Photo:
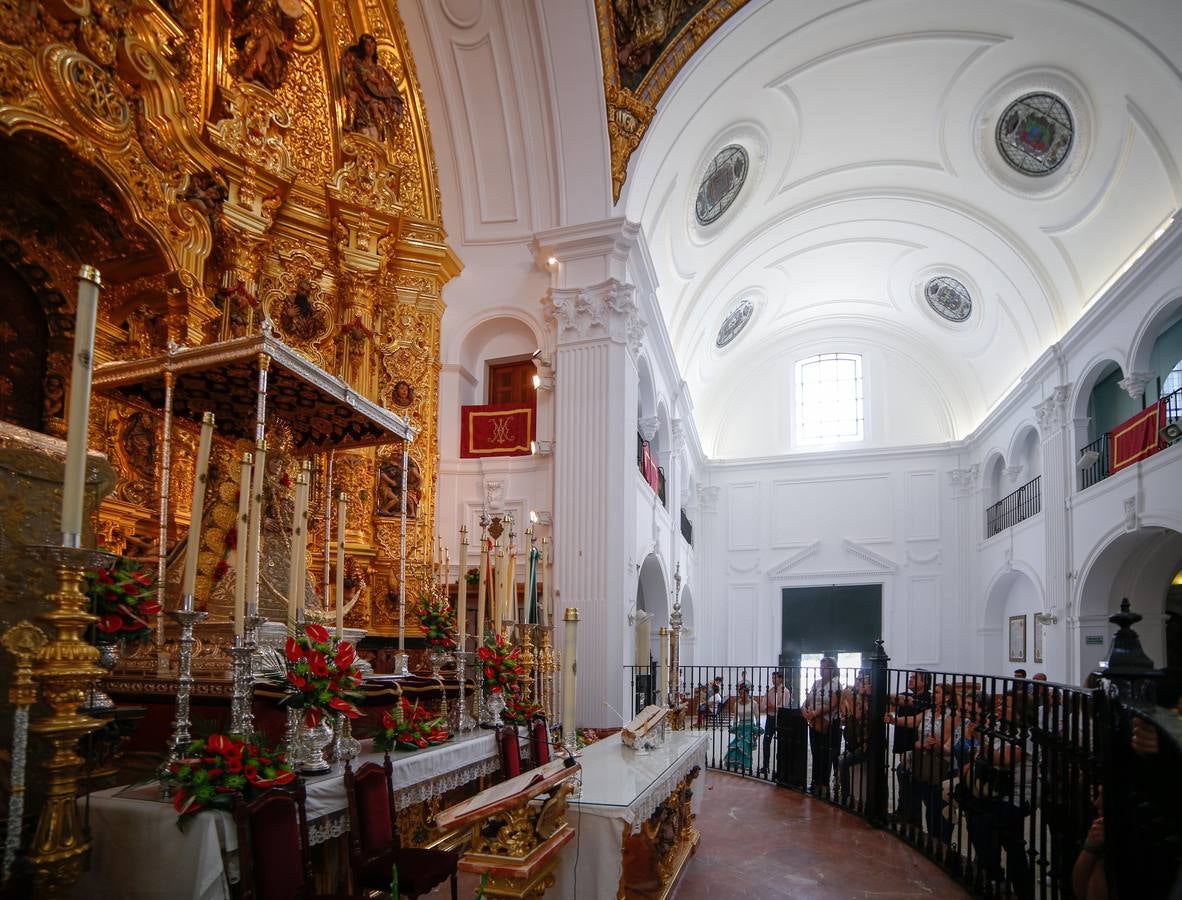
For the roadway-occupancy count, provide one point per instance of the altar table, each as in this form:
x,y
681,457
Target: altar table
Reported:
x,y
621,790
138,853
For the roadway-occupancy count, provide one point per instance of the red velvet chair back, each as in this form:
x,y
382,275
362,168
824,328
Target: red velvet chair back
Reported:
x,y
510,751
371,808
539,742
272,835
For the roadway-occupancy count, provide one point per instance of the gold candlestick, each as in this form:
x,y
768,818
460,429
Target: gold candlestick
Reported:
x,y
64,671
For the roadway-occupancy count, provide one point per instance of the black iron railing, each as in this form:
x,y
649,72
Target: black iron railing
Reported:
x,y
687,528
1097,469
1023,503
1173,403
998,780
661,485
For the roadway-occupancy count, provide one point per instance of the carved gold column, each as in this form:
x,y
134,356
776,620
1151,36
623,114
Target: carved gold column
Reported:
x,y
64,671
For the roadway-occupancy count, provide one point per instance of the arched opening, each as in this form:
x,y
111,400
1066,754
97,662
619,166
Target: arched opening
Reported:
x,y
689,638
1165,362
652,597
1012,603
993,478
1141,566
495,355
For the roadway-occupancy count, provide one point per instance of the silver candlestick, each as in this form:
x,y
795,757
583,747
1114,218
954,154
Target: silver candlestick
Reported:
x,y
346,748
292,748
465,722
241,715
186,617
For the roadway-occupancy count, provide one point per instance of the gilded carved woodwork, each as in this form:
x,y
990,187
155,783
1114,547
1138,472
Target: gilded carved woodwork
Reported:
x,y
644,44
212,163
655,854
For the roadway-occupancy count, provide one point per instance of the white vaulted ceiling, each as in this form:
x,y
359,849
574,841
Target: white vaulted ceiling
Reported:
x,y
869,125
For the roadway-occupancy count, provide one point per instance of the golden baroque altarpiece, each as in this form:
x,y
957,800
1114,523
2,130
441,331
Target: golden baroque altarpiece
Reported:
x,y
222,162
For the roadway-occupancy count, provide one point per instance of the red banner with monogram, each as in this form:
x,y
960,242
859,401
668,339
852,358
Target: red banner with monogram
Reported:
x,y
1137,437
496,429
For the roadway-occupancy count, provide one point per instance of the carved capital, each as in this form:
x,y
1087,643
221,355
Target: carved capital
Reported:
x,y
254,131
603,311
1012,473
648,427
964,481
708,499
1044,412
677,431
1136,382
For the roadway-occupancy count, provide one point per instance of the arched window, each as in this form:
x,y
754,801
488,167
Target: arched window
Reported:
x,y
829,398
1173,380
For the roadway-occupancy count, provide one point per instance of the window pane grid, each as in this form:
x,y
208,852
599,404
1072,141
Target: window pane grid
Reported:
x,y
829,398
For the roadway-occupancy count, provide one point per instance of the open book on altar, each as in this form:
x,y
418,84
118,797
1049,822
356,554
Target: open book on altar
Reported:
x,y
507,795
643,724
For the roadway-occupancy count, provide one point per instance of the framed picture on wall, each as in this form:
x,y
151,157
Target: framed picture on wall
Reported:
x,y
1038,638
1017,638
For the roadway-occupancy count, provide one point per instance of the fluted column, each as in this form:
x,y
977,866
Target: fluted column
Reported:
x,y
598,328
1057,477
970,518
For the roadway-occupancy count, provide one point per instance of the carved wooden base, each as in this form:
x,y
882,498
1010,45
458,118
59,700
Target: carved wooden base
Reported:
x,y
527,878
654,857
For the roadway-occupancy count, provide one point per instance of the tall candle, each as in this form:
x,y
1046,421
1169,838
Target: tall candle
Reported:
x,y
74,485
242,528
643,636
342,503
462,592
663,667
196,511
295,587
481,588
255,529
446,574
302,555
569,645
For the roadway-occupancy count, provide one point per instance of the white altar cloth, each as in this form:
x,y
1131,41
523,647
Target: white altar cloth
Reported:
x,y
138,853
621,787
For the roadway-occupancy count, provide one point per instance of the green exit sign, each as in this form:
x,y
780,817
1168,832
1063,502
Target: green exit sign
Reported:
x,y
1092,639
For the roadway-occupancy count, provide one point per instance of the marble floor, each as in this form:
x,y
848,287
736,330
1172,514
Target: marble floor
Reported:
x,y
761,842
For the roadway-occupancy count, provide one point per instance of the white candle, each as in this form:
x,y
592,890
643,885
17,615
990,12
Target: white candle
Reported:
x,y
569,644
462,592
342,503
254,530
302,556
481,588
196,511
447,574
298,552
242,528
643,637
74,483
663,666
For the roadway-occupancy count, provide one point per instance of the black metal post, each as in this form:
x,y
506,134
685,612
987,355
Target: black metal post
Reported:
x,y
877,765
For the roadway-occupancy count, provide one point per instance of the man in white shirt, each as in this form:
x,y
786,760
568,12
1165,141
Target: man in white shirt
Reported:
x,y
819,710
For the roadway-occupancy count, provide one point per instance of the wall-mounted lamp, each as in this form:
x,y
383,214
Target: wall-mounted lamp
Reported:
x,y
1087,459
1046,618
551,260
540,517
541,448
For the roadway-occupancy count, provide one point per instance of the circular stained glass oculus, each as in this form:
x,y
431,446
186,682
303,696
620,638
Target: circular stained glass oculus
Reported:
x,y
948,298
736,320
721,184
1035,133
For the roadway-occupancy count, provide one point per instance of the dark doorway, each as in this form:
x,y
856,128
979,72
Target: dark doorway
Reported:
x,y
830,621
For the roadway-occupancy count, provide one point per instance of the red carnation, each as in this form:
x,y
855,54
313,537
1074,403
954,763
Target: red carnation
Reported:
x,y
317,664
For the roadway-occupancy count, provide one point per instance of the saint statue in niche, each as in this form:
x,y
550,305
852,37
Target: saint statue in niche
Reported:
x,y
263,32
373,106
299,317
390,488
643,27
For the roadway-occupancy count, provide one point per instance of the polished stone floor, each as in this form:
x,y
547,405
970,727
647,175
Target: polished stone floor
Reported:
x,y
761,842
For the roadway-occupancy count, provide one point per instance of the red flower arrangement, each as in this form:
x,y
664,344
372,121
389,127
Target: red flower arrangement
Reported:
x,y
414,729
321,675
518,710
437,621
220,768
124,599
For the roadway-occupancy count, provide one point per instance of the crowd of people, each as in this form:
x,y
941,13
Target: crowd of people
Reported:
x,y
998,770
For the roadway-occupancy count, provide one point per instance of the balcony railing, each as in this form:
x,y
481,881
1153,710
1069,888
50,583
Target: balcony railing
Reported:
x,y
687,528
995,779
1097,470
1023,503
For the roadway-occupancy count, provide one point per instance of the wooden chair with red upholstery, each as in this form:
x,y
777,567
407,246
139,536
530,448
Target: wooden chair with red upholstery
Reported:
x,y
273,858
539,741
510,749
374,846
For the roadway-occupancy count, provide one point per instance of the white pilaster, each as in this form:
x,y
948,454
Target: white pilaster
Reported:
x,y
1058,474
